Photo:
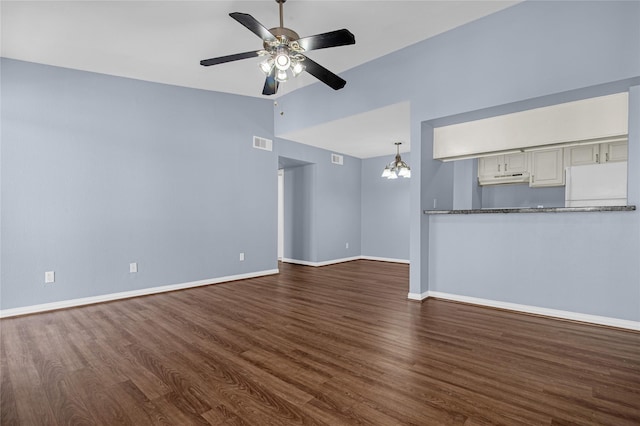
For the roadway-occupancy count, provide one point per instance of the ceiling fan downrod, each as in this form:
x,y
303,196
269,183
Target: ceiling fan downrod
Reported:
x,y
282,34
280,3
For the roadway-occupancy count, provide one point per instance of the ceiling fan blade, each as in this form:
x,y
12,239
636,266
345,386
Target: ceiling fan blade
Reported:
x,y
253,25
270,84
331,39
229,58
323,74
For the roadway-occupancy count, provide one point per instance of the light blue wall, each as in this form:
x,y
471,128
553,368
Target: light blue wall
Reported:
x,y
578,262
385,210
467,194
299,230
121,170
325,195
100,171
521,195
530,55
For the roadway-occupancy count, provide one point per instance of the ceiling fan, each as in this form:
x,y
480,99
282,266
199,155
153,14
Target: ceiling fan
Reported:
x,y
283,49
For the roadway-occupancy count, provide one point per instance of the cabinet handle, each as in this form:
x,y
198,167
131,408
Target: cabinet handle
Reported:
x,y
505,167
499,167
597,158
606,157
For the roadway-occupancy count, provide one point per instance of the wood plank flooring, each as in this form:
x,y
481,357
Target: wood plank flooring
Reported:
x,y
336,345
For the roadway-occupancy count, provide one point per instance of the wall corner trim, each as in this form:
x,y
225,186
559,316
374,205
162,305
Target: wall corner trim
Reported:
x,y
63,304
555,313
419,296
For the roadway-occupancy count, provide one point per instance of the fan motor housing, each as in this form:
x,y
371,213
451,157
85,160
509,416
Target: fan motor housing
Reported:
x,y
283,33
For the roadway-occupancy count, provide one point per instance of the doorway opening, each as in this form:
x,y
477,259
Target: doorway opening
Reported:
x,y
295,210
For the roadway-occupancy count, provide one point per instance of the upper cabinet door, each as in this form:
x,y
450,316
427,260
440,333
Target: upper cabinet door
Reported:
x,y
489,167
581,155
614,151
547,168
515,163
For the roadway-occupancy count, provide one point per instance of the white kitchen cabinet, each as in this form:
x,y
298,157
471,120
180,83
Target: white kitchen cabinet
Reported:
x,y
515,163
613,151
581,155
608,152
546,168
489,167
508,168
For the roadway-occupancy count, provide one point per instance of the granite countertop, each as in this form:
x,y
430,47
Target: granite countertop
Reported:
x,y
536,210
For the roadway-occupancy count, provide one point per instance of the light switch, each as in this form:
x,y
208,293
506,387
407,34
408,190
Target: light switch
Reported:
x,y
133,267
49,277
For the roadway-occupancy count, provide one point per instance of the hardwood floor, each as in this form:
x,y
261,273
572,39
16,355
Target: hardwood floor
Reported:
x,y
336,345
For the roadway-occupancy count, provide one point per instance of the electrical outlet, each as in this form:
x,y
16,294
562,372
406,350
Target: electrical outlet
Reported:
x,y
49,277
133,267
346,245
241,257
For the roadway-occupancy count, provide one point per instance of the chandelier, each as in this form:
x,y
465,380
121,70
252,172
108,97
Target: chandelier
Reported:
x,y
397,167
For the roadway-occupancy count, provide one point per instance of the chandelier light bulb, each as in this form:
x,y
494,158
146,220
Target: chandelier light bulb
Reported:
x,y
283,62
281,76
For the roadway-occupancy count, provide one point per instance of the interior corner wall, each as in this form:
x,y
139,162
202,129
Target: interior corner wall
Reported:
x,y
299,228
100,171
327,196
385,211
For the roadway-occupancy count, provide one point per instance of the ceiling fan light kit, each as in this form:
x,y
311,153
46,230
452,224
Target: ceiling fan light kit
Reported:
x,y
284,49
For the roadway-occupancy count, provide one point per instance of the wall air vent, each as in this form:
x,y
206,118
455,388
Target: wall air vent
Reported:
x,y
262,143
337,159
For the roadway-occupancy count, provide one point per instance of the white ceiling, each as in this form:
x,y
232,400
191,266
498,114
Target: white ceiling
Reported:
x,y
164,41
370,134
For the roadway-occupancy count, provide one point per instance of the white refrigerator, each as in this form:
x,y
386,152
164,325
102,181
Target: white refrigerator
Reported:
x,y
596,185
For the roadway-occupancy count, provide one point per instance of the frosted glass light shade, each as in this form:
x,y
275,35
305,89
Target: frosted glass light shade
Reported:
x,y
297,68
266,66
281,75
282,61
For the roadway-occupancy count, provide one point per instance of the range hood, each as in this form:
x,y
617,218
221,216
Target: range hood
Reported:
x,y
518,177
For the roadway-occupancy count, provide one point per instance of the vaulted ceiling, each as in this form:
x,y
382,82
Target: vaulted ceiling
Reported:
x,y
163,42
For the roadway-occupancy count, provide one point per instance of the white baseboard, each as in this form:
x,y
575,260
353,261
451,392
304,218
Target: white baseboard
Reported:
x,y
556,313
324,263
346,259
5,313
385,259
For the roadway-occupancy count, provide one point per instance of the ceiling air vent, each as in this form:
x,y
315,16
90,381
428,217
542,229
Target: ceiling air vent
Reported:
x,y
262,143
337,159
